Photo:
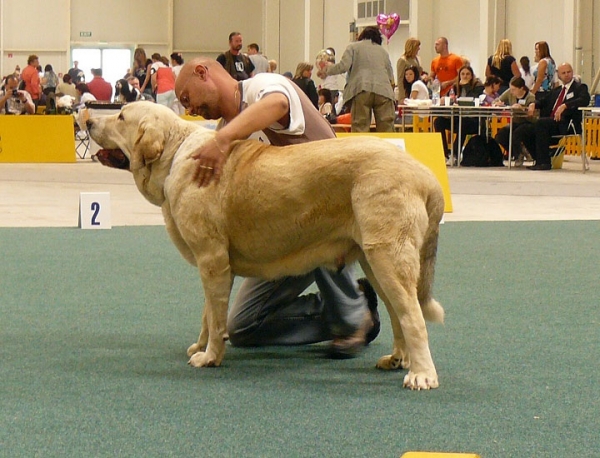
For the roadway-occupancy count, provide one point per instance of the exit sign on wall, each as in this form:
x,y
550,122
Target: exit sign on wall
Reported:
x,y
85,34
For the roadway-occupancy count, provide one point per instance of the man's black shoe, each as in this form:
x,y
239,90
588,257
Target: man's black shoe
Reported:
x,y
540,167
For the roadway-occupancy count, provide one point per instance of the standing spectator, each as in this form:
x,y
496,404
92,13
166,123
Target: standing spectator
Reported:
x,y
13,100
335,83
303,79
101,88
31,78
260,62
445,67
77,75
545,70
49,82
526,72
176,65
237,64
370,82
141,70
66,87
406,60
163,82
502,64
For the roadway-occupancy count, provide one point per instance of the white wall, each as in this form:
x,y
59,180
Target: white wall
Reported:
x,y
292,30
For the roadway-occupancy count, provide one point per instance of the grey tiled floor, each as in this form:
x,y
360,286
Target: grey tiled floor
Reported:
x,y
47,195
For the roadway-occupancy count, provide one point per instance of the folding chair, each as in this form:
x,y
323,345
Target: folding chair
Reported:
x,y
565,143
82,142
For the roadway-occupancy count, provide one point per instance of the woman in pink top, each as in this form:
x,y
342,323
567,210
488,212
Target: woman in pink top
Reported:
x,y
163,81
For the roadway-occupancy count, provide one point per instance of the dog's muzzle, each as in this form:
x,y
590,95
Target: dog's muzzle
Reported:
x,y
114,158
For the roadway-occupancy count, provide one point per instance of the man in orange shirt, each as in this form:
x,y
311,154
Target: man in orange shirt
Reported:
x,y
446,66
31,77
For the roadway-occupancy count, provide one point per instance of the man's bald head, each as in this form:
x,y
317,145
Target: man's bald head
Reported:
x,y
565,72
204,86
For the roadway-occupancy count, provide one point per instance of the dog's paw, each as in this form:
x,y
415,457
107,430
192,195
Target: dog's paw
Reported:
x,y
420,381
391,363
204,359
195,348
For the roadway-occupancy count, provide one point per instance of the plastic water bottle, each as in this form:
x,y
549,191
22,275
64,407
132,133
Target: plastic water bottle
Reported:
x,y
452,96
435,91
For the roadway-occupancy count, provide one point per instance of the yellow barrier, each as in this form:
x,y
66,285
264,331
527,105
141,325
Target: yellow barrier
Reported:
x,y
31,138
426,148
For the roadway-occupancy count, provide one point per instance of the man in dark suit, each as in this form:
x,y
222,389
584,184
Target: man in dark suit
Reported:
x,y
558,110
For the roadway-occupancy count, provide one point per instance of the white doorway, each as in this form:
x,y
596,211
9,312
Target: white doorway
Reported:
x,y
114,62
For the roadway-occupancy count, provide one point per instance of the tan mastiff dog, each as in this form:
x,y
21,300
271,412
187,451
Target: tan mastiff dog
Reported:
x,y
280,211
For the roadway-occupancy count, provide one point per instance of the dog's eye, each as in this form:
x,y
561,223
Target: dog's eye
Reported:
x,y
121,118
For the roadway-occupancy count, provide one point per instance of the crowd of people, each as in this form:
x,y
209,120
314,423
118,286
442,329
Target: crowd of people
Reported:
x,y
547,96
361,88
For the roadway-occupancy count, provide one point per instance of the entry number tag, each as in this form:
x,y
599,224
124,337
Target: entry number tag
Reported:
x,y
94,210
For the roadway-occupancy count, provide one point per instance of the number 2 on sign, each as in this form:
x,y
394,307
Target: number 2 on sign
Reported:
x,y
95,207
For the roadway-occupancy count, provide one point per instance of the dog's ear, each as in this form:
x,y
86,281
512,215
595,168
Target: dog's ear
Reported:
x,y
149,144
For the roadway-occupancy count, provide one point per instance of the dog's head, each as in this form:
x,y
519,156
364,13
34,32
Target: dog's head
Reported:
x,y
143,138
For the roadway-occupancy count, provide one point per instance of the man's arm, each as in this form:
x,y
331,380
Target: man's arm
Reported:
x,y
272,108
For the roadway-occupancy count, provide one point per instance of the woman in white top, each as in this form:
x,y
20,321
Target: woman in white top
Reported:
x,y
414,88
84,95
176,65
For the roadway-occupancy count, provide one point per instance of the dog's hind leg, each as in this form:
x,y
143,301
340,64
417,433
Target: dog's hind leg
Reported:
x,y
399,359
394,257
217,281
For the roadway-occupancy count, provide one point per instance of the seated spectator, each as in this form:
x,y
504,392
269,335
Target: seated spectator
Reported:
x,y
519,97
467,86
413,87
99,87
125,92
303,79
13,100
326,105
135,82
559,115
490,91
66,87
84,95
272,65
163,81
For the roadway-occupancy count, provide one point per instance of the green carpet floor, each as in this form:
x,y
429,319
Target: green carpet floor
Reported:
x,y
94,326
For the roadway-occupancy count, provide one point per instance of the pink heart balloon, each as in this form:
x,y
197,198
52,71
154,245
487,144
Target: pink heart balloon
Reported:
x,y
388,24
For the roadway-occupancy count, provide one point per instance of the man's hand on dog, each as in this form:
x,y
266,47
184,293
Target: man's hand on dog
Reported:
x,y
211,158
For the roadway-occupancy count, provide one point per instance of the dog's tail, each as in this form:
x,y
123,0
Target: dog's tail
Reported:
x,y
432,310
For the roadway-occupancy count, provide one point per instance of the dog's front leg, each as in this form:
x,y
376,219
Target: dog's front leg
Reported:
x,y
217,280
